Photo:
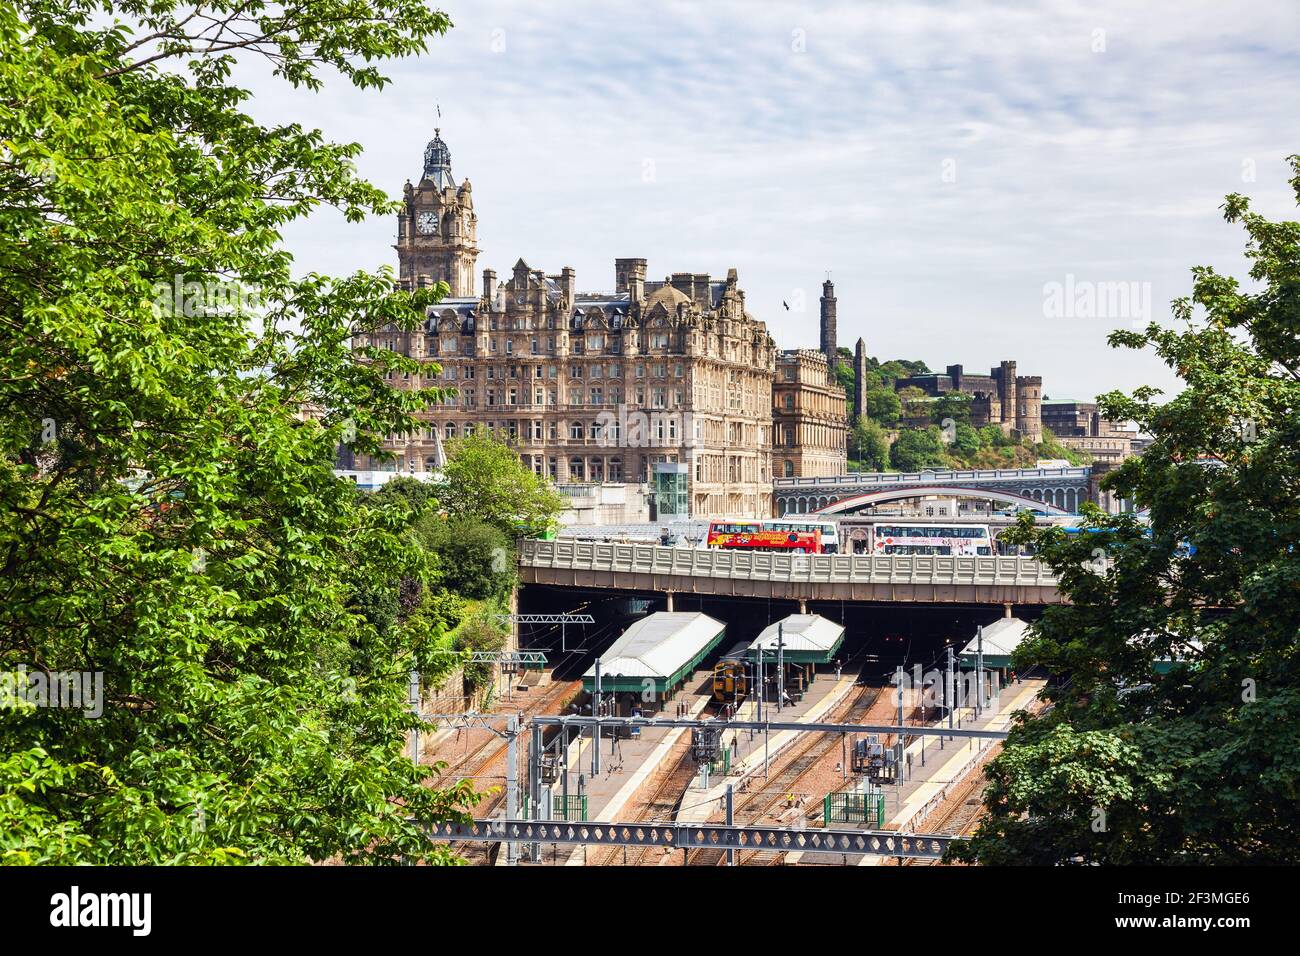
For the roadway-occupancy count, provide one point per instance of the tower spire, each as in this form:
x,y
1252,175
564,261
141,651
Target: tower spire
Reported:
x,y
437,161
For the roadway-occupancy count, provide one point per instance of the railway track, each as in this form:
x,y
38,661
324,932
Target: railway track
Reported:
x,y
962,809
478,764
658,809
803,758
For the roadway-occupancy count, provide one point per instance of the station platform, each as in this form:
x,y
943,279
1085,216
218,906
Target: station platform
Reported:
x,y
751,749
910,804
629,763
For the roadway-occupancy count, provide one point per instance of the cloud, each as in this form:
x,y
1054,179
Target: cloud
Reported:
x,y
943,161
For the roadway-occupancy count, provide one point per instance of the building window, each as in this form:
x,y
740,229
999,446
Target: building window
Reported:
x,y
789,468
575,431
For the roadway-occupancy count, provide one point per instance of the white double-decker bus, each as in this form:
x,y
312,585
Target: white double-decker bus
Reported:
x,y
898,537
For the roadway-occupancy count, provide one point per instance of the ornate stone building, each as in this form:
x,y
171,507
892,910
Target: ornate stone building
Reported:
x,y
809,416
590,386
437,232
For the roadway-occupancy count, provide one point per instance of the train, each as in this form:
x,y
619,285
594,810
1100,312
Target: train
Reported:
x,y
731,676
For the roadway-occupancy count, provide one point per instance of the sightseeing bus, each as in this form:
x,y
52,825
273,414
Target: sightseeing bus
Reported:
x,y
751,536
900,537
830,534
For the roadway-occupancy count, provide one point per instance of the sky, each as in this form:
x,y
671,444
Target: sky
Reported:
x,y
967,172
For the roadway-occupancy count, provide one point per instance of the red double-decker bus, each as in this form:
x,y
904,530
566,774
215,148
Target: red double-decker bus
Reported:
x,y
750,536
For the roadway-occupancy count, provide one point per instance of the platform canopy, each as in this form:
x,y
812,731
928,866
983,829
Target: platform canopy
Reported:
x,y
807,639
660,649
1000,638
1190,650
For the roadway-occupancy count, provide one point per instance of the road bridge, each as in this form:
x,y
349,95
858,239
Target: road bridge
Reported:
x,y
935,579
1052,490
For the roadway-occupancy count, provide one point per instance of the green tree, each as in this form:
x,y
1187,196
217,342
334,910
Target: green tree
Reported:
x,y
966,443
169,522
893,370
484,479
884,406
411,492
475,559
1139,761
954,405
479,632
919,448
871,443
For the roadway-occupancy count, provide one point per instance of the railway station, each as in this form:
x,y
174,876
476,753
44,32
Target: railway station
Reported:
x,y
649,663
798,643
991,649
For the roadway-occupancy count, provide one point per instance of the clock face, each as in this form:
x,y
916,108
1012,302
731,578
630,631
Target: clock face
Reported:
x,y
426,223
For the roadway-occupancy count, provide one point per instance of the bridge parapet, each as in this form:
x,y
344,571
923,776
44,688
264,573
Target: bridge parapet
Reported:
x,y
862,479
914,578
1061,488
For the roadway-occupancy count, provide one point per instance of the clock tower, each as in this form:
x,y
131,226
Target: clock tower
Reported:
x,y
437,231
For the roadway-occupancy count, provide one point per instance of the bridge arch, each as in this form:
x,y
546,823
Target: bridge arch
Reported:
x,y
1041,502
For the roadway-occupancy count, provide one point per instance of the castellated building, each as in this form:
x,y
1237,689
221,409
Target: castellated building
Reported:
x,y
1003,398
655,380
